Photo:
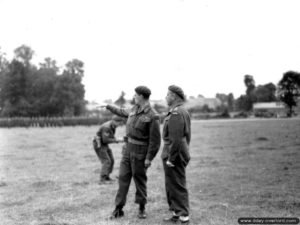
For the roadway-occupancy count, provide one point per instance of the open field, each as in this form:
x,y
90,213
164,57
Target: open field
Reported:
x,y
239,168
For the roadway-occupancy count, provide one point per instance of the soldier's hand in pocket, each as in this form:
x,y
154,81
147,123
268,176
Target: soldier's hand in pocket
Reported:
x,y
147,163
169,164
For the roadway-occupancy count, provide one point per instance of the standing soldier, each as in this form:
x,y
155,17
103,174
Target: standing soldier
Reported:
x,y
106,134
143,142
175,155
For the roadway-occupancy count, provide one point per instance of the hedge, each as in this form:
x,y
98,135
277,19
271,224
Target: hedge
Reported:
x,y
52,121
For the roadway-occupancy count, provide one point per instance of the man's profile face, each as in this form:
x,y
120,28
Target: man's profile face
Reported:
x,y
138,98
170,98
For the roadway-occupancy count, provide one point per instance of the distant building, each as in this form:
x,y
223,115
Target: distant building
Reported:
x,y
276,109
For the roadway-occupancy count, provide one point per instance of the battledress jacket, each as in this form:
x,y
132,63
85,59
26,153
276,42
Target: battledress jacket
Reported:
x,y
177,135
142,126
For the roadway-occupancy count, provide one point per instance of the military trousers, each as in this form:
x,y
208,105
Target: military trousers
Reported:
x,y
106,158
132,165
176,190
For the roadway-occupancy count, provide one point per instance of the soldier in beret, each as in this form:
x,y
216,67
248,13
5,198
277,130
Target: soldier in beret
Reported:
x,y
175,155
106,133
143,141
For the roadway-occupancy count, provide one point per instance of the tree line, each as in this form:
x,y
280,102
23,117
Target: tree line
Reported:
x,y
46,90
286,91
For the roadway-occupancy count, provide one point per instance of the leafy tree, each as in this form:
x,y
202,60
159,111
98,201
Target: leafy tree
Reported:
x,y
289,89
24,54
68,91
3,71
223,98
261,93
244,103
75,69
230,102
227,102
49,64
13,90
250,84
265,93
206,109
42,87
17,84
26,90
3,62
14,83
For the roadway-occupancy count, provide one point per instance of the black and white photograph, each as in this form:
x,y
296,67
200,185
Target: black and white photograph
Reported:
x,y
149,112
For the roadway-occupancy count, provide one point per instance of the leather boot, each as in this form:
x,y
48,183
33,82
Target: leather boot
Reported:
x,y
117,213
142,212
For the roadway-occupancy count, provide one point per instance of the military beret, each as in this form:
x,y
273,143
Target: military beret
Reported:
x,y
177,90
143,90
117,118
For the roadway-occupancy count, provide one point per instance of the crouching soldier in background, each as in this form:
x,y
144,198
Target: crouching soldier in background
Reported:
x,y
106,136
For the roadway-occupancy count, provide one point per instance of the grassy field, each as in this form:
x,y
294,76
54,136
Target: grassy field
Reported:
x,y
239,168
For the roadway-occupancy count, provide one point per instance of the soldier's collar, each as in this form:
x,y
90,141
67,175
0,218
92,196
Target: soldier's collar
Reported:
x,y
144,108
175,106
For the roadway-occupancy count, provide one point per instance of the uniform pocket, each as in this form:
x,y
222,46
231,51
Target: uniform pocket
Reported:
x,y
141,125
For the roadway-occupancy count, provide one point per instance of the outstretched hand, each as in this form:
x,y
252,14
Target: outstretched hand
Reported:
x,y
169,164
101,106
119,140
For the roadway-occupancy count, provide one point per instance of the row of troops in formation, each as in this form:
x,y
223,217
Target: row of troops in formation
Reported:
x,y
142,142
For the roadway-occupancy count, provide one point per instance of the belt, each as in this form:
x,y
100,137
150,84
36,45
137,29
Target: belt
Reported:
x,y
168,142
136,142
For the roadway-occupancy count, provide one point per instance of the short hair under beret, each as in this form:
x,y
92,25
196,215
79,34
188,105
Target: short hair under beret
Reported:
x,y
143,90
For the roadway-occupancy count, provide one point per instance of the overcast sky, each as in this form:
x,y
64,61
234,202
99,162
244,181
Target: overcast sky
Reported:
x,y
203,46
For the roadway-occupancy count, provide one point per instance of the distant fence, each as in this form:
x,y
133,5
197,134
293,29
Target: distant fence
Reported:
x,y
52,121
